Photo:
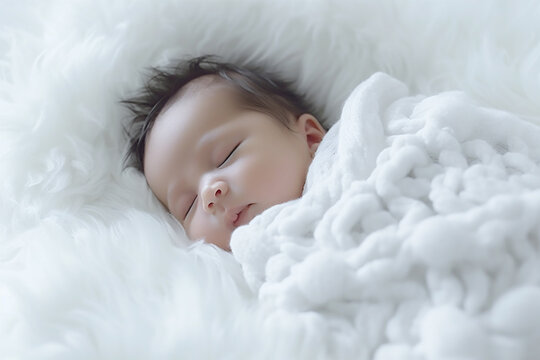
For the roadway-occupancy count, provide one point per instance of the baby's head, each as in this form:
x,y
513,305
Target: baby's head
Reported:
x,y
219,144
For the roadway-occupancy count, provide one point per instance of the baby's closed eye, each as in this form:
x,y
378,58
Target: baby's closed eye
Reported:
x,y
190,207
229,155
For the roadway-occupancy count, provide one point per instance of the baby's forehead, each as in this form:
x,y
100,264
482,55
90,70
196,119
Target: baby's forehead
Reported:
x,y
199,86
202,83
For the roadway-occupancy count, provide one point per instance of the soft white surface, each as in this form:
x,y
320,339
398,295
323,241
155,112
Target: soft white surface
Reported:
x,y
87,265
417,235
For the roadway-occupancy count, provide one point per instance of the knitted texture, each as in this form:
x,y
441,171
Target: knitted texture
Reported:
x,y
417,235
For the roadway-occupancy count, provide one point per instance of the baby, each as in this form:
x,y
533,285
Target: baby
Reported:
x,y
219,144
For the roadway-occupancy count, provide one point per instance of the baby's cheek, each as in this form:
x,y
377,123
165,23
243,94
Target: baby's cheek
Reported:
x,y
207,229
284,180
200,226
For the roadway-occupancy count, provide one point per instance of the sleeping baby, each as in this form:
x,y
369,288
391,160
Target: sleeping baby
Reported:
x,y
219,144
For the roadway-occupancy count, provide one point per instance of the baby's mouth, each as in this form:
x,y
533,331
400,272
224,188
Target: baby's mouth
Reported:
x,y
242,217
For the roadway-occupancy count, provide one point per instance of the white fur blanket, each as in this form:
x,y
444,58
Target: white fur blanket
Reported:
x,y
418,232
89,268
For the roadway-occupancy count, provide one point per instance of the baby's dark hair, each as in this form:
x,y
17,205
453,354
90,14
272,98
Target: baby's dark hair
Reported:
x,y
258,91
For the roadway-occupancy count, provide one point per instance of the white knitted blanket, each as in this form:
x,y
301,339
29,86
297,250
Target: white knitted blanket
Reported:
x,y
418,234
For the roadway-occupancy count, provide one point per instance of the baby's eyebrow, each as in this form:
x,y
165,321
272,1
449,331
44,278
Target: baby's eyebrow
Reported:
x,y
209,139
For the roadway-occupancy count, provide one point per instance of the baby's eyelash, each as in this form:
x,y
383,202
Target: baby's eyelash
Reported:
x,y
230,154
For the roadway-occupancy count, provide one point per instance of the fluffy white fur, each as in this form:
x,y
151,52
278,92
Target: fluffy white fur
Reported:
x,y
88,265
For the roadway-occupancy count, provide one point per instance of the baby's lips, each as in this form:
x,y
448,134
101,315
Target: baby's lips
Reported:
x,y
235,219
231,215
243,216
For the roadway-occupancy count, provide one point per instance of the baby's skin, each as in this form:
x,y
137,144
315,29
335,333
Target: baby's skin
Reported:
x,y
215,165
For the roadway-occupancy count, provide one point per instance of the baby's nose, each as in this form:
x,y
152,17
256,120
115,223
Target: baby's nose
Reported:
x,y
212,195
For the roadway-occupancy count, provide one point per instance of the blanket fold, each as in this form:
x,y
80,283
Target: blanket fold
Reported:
x,y
419,221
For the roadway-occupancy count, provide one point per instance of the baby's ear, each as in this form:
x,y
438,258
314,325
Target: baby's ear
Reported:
x,y
313,131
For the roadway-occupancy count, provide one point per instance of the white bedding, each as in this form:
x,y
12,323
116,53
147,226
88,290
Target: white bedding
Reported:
x,y
419,224
92,267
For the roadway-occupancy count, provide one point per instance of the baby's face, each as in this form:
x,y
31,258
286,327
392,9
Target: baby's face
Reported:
x,y
216,166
